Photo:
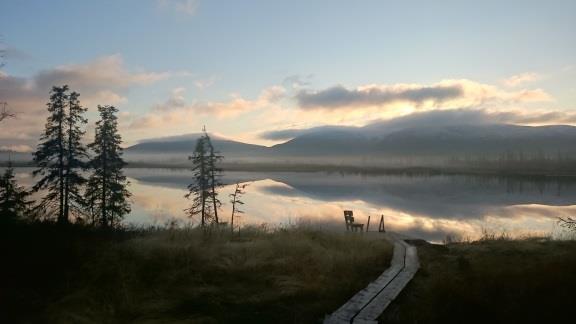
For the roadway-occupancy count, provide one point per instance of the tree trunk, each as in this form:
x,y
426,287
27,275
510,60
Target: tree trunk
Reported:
x,y
67,184
104,175
61,215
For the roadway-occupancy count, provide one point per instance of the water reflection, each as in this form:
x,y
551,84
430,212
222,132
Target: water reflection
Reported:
x,y
428,207
424,206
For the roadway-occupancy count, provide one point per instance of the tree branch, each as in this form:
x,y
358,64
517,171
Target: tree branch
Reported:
x,y
4,112
568,222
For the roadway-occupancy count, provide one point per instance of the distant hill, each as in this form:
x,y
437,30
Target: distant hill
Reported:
x,y
377,142
176,149
432,140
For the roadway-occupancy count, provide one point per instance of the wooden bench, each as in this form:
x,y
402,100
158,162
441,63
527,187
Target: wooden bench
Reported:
x,y
350,225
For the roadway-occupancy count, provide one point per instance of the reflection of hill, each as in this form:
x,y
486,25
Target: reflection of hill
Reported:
x,y
436,196
181,178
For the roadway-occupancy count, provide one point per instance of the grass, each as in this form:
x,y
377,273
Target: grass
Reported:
x,y
493,280
80,275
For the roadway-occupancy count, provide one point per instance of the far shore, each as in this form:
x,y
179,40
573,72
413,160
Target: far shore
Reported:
x,y
310,167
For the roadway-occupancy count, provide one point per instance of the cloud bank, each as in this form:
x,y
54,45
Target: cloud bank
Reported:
x,y
104,80
445,94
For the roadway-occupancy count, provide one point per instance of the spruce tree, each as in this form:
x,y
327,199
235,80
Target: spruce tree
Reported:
x,y
199,189
51,154
60,155
106,193
214,175
206,176
13,198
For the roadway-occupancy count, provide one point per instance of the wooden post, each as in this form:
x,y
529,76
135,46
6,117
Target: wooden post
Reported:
x,y
368,224
381,227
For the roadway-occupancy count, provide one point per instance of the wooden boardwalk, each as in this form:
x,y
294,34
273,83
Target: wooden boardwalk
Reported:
x,y
367,305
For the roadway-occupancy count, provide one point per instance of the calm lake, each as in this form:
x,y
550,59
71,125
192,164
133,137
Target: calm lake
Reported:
x,y
428,207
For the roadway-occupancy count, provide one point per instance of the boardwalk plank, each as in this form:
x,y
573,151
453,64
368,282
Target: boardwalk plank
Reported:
x,y
369,303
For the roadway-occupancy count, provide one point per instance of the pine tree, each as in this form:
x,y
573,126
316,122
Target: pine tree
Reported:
x,y
206,176
13,202
107,194
51,154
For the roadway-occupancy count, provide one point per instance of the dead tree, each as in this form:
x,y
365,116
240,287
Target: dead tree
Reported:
x,y
235,200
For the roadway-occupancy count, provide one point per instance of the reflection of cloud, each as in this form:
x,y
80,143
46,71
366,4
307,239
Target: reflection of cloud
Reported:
x,y
427,208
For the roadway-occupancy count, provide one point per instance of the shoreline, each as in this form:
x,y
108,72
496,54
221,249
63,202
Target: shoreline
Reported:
x,y
417,170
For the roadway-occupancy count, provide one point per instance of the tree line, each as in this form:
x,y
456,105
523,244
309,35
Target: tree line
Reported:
x,y
86,184
80,183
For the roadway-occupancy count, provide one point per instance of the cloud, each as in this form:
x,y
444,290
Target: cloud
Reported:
x,y
541,117
205,83
176,110
103,73
104,80
282,134
289,133
445,94
519,79
297,81
189,7
339,97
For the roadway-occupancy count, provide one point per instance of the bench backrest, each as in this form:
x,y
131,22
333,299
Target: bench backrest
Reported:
x,y
348,217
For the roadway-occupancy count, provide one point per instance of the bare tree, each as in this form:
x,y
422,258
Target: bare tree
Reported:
x,y
568,222
5,112
235,200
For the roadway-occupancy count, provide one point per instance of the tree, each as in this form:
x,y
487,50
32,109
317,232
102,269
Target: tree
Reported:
x,y
60,155
235,200
198,190
75,156
13,202
206,175
107,194
51,154
568,222
214,174
5,112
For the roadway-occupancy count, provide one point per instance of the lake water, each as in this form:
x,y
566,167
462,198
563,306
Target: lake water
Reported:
x,y
428,207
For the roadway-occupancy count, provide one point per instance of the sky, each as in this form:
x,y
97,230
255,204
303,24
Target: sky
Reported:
x,y
251,70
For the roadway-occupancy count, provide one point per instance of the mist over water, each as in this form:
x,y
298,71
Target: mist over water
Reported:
x,y
428,207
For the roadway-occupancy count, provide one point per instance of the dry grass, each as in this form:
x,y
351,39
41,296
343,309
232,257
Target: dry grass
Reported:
x,y
493,280
294,275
